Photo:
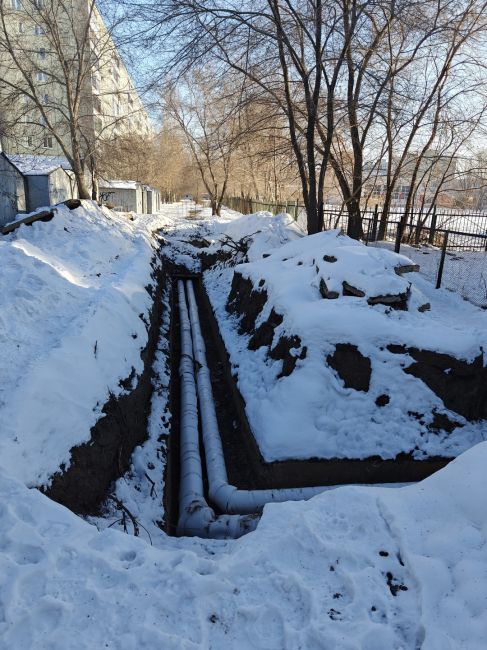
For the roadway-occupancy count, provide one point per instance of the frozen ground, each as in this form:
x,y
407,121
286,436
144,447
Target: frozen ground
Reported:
x,y
353,569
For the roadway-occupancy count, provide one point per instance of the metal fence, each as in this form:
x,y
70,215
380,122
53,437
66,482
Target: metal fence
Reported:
x,y
450,246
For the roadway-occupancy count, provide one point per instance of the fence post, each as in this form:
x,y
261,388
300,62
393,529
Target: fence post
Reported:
x,y
431,237
400,228
375,221
296,207
442,260
367,236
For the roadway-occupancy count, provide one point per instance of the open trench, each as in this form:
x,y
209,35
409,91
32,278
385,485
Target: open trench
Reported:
x,y
246,472
246,481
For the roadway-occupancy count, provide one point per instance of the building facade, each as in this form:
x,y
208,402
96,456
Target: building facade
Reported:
x,y
63,84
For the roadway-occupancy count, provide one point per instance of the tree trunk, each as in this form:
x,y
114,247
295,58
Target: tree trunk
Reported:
x,y
312,214
354,229
384,217
83,190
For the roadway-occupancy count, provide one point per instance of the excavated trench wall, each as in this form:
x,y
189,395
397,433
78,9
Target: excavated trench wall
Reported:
x,y
96,464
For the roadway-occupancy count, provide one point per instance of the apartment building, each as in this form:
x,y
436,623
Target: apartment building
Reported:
x,y
63,84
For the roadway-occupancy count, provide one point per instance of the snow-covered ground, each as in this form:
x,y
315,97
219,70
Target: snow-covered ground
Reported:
x,y
353,569
464,272
72,308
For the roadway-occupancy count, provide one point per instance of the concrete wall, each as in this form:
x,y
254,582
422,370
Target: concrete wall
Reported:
x,y
123,199
12,192
153,200
62,186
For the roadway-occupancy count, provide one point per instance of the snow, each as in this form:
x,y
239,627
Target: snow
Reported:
x,y
355,568
333,421
464,272
314,575
120,185
36,165
71,294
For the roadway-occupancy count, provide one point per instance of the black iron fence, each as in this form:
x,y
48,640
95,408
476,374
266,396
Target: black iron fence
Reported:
x,y
449,246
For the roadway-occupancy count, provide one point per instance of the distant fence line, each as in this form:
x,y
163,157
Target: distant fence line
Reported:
x,y
449,245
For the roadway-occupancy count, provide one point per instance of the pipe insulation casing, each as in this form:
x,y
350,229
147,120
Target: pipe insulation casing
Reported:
x,y
196,518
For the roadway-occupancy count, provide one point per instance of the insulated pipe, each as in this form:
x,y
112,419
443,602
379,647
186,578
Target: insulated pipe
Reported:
x,y
195,516
227,497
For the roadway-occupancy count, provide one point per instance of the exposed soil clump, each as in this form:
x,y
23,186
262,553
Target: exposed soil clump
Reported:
x,y
382,400
351,365
209,260
326,293
264,334
396,301
287,349
246,302
441,422
350,290
462,386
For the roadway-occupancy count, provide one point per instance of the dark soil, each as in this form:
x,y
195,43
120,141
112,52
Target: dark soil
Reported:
x,y
351,366
245,302
462,386
441,422
264,334
230,408
95,465
283,350
209,260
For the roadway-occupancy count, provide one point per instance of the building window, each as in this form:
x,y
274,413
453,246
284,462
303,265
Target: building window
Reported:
x,y
41,76
39,31
42,53
97,104
47,142
17,4
45,99
21,28
30,141
39,4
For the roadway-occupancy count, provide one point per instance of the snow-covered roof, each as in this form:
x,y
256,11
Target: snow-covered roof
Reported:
x,y
32,165
119,185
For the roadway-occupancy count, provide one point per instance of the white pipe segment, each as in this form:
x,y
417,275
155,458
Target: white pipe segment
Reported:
x,y
227,497
195,516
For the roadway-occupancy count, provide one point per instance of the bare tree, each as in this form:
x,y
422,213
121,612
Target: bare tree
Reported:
x,y
278,47
359,82
207,113
52,56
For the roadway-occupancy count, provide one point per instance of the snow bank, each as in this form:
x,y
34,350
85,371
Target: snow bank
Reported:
x,y
72,308
354,569
311,413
